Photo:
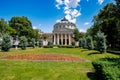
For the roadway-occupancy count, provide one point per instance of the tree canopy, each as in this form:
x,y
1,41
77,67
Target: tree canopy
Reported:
x,y
108,21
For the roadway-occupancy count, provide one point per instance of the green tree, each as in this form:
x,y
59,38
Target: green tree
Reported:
x,y
90,44
82,42
5,28
108,21
23,42
6,42
40,43
33,42
101,42
76,35
23,27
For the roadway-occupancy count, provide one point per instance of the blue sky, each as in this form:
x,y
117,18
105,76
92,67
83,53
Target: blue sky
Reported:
x,y
44,13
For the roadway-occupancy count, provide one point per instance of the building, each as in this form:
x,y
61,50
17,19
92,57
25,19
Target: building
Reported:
x,y
62,33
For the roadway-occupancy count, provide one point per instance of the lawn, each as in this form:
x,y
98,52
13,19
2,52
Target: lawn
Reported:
x,y
39,70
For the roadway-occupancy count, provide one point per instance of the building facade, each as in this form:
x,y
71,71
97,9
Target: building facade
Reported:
x,y
63,33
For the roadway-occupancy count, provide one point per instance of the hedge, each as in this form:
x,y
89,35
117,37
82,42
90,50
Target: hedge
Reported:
x,y
107,68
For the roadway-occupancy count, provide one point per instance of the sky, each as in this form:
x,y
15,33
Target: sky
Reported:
x,y
45,13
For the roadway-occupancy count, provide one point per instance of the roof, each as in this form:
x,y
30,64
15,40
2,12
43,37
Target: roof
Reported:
x,y
64,19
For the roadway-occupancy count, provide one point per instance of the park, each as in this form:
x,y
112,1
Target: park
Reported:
x,y
66,52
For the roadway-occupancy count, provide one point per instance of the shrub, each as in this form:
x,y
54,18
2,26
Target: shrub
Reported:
x,y
89,44
73,43
33,42
107,68
6,42
83,42
40,43
101,42
50,44
23,42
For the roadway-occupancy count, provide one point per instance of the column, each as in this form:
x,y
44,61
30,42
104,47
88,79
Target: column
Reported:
x,y
62,39
58,39
69,39
54,39
65,39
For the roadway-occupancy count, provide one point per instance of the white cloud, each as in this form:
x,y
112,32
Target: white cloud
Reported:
x,y
58,20
70,9
75,13
34,27
59,2
86,23
82,30
100,1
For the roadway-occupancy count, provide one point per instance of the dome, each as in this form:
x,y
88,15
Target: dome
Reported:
x,y
64,24
64,19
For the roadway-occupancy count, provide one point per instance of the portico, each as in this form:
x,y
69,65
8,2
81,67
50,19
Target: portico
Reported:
x,y
62,39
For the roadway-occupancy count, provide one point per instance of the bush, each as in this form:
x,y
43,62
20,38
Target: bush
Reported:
x,y
50,44
90,44
73,43
40,43
32,43
83,42
6,42
23,43
101,42
107,68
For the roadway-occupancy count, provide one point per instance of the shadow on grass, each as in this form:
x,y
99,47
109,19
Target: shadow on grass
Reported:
x,y
94,53
113,52
84,50
91,76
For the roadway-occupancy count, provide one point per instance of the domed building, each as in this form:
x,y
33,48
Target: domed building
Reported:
x,y
63,32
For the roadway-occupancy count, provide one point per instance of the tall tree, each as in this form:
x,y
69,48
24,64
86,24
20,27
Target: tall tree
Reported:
x,y
23,42
78,35
6,42
5,28
101,42
23,27
108,21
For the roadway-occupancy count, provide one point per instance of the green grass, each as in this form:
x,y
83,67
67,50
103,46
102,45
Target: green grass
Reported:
x,y
31,70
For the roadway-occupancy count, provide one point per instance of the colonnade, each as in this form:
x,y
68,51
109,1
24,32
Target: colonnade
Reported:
x,y
62,39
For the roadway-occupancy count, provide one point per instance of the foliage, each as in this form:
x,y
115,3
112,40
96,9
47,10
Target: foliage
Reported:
x,y
23,27
90,44
6,42
23,42
107,68
108,21
73,43
78,35
5,28
32,43
101,42
83,42
40,43
50,44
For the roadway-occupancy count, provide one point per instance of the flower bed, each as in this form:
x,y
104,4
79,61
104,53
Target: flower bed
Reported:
x,y
46,57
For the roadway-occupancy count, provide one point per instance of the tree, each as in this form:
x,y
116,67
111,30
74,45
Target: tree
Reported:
x,y
90,44
76,35
108,21
23,42
5,28
33,42
40,43
6,42
82,42
101,42
23,27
